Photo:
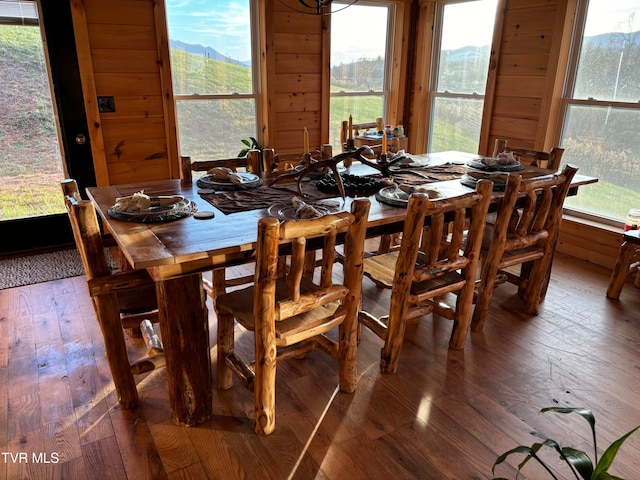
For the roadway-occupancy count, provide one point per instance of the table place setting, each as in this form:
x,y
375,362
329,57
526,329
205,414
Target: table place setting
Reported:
x,y
141,207
504,162
223,178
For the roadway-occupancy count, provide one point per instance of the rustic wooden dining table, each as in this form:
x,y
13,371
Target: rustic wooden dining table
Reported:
x,y
176,253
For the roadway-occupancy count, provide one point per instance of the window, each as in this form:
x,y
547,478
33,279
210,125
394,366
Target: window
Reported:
x,y
31,164
360,75
462,43
214,75
599,129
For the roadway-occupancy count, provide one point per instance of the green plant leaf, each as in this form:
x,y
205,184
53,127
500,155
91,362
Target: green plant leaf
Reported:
x,y
602,467
580,460
530,453
246,142
584,413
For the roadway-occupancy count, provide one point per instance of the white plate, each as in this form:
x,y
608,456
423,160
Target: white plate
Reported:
x,y
181,209
286,211
478,164
399,198
251,180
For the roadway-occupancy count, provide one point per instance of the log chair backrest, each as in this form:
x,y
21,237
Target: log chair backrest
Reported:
x,y
304,294
548,160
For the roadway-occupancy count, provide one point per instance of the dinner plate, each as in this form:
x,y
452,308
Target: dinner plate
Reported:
x,y
181,209
286,211
409,161
478,164
471,181
398,198
250,180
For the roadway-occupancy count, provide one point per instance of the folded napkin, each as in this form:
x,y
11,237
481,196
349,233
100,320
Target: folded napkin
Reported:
x,y
503,158
140,201
304,210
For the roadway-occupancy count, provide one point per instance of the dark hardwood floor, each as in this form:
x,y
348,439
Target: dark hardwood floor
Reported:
x,y
445,415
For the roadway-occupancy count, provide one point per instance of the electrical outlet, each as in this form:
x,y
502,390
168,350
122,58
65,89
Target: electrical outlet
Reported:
x,y
106,105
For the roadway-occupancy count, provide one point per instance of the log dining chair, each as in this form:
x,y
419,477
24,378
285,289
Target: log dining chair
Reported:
x,y
290,314
547,160
432,261
356,128
121,299
279,161
627,264
525,234
251,163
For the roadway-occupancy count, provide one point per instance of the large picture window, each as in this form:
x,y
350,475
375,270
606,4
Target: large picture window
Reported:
x,y
462,41
601,117
360,74
214,76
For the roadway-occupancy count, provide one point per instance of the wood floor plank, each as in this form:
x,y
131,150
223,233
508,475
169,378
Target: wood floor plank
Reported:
x,y
444,415
138,449
103,460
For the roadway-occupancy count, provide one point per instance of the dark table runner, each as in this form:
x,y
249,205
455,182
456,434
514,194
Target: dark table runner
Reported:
x,y
264,197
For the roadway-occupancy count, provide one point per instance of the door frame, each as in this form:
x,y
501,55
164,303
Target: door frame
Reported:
x,y
50,232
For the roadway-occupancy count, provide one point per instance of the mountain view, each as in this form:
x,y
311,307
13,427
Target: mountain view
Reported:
x,y
614,57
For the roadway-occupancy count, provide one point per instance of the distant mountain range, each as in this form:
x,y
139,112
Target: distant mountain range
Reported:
x,y
614,39
206,52
461,54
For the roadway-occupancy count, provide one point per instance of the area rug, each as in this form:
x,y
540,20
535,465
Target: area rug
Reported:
x,y
16,272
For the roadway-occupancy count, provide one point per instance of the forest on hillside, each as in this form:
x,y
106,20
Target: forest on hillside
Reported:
x,y
603,141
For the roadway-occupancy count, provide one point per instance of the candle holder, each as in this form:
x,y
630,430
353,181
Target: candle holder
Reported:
x,y
331,163
350,144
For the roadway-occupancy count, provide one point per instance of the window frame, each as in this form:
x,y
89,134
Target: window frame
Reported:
x,y
256,95
567,101
386,92
432,92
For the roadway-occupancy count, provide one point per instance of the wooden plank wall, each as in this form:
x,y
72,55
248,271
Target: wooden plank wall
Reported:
x,y
294,66
526,73
119,57
123,53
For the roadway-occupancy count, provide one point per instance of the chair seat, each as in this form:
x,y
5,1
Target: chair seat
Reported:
x,y
142,299
290,330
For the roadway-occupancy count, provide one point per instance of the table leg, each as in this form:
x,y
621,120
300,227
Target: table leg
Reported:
x,y
185,337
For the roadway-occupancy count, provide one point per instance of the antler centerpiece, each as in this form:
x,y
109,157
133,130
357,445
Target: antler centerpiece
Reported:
x,y
311,165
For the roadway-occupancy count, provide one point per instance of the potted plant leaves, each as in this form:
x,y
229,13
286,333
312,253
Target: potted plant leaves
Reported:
x,y
251,144
577,461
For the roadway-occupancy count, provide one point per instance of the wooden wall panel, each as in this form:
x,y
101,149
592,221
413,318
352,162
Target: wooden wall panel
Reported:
x,y
517,107
294,65
112,60
297,82
518,64
524,87
138,106
590,242
122,37
295,102
303,43
125,64
120,12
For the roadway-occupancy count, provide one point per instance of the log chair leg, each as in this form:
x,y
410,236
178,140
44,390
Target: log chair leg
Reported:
x,y
265,379
224,375
106,307
393,343
536,284
464,305
620,270
483,299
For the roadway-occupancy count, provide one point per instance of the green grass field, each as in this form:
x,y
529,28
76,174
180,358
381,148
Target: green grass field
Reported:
x,y
30,168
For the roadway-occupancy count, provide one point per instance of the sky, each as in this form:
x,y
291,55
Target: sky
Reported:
x,y
601,21
220,24
359,29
